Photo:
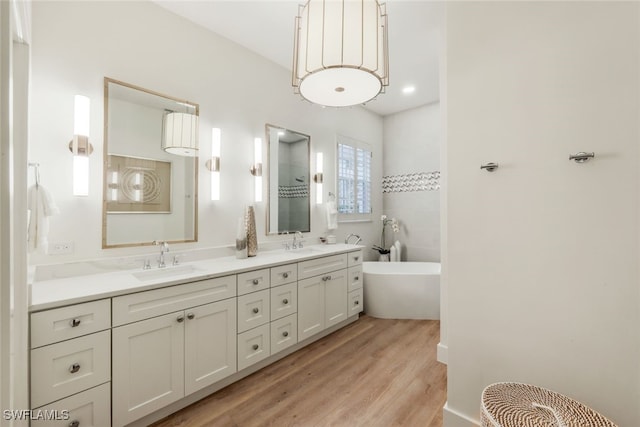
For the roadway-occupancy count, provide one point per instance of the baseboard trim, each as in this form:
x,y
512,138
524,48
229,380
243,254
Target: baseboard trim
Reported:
x,y
443,352
452,418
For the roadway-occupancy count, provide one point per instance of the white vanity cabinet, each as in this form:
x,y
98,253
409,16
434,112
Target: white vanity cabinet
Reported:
x,y
322,294
159,360
355,289
71,362
123,359
267,321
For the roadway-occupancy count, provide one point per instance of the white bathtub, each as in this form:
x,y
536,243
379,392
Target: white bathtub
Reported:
x,y
402,290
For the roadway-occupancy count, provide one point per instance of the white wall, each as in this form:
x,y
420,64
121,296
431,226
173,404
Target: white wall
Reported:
x,y
543,283
77,44
411,145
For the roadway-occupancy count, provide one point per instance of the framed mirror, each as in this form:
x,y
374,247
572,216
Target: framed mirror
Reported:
x,y
289,200
150,183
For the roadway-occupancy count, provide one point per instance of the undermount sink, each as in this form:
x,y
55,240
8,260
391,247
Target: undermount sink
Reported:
x,y
304,251
160,273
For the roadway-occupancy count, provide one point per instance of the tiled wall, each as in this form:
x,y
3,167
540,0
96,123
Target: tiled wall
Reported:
x,y
411,180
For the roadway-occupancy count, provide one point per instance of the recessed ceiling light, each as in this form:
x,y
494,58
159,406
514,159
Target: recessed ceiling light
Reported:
x,y
408,89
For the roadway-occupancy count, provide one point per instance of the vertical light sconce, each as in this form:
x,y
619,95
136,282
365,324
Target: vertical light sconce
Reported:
x,y
318,178
213,164
80,146
256,169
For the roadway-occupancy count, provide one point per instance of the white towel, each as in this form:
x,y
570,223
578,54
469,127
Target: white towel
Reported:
x,y
332,215
41,206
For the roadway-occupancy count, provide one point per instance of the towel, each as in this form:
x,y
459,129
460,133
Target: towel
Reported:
x,y
332,215
41,206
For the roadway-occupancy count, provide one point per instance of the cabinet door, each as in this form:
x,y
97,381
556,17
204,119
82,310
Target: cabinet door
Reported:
x,y
91,408
355,301
68,367
253,310
336,298
311,316
148,366
210,344
284,300
254,346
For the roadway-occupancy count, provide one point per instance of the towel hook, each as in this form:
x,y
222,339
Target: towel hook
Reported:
x,y
36,172
490,167
582,157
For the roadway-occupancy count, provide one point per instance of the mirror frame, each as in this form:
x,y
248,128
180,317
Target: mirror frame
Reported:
x,y
105,160
269,232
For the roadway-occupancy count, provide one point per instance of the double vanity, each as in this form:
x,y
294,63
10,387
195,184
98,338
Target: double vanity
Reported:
x,y
130,347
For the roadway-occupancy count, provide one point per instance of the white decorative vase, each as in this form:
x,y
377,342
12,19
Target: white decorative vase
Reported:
x,y
383,258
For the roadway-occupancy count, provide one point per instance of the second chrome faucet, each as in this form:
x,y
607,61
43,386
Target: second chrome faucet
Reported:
x,y
164,247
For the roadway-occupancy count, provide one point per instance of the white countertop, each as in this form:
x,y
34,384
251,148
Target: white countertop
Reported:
x,y
72,290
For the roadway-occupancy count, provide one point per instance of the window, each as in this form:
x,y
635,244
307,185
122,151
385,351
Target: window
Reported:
x,y
354,179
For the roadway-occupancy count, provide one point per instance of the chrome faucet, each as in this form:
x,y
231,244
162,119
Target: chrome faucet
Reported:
x,y
297,243
358,238
164,247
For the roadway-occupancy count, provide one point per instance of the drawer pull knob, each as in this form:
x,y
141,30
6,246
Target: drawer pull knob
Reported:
x,y
74,423
256,310
255,281
285,301
285,334
75,322
74,368
256,346
357,277
191,316
356,258
357,302
285,275
180,319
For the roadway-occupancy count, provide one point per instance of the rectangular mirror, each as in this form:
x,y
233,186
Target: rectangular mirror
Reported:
x,y
150,184
289,200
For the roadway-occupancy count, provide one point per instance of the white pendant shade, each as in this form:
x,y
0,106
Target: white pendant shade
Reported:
x,y
180,134
340,52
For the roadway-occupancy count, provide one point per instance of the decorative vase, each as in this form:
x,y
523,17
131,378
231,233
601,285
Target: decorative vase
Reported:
x,y
252,236
241,239
383,258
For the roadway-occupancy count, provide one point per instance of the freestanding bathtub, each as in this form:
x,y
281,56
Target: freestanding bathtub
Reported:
x,y
402,290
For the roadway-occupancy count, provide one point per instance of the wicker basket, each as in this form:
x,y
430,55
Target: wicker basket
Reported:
x,y
524,405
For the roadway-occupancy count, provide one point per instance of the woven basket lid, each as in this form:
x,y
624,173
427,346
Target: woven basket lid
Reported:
x,y
524,405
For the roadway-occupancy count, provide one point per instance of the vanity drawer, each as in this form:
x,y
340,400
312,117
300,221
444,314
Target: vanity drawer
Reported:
x,y
318,266
253,281
253,346
253,310
355,258
354,278
147,304
356,302
50,326
284,274
59,370
284,333
91,408
284,300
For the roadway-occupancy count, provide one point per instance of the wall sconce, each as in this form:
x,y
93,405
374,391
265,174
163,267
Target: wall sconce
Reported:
x,y
318,178
80,146
256,169
180,134
213,164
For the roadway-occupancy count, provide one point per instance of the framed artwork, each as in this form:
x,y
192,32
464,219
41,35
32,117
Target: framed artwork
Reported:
x,y
138,185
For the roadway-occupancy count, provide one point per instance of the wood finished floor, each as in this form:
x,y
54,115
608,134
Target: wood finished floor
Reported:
x,y
374,372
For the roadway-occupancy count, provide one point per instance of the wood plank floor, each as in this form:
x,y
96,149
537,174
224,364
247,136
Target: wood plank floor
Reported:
x,y
374,372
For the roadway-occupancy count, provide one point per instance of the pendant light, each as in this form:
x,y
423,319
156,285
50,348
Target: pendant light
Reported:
x,y
180,134
340,52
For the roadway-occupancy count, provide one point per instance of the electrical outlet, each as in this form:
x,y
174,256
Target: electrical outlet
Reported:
x,y
60,248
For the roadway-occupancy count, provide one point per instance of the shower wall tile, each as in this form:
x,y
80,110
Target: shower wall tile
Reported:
x,y
411,180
